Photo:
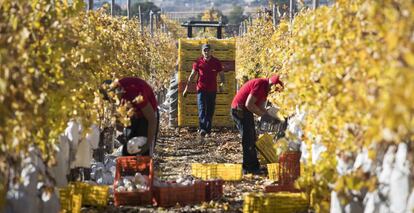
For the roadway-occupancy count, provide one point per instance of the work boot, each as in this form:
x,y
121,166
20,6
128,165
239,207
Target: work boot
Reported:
x,y
260,172
203,133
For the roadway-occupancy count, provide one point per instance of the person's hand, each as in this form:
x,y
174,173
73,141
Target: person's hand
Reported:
x,y
185,91
280,86
221,87
266,118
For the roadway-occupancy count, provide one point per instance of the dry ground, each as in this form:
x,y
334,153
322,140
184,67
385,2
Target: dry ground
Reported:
x,y
177,148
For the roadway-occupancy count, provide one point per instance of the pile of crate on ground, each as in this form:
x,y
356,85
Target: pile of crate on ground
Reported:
x,y
128,192
281,197
189,51
283,169
79,194
164,194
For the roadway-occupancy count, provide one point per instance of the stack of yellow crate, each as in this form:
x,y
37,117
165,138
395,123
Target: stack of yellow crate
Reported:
x,y
69,200
281,202
225,171
189,50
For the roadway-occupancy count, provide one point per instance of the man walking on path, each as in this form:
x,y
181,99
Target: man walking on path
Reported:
x,y
206,67
251,99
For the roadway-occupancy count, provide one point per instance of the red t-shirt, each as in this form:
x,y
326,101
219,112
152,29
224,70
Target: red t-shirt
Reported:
x,y
207,73
258,87
135,87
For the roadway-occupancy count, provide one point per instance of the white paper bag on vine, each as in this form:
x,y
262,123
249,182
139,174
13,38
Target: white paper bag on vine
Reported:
x,y
399,181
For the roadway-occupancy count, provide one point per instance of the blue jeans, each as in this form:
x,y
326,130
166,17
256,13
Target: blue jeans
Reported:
x,y
206,104
245,124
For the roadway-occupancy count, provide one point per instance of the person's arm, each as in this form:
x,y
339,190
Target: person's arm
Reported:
x,y
262,106
252,107
221,73
190,79
149,114
222,77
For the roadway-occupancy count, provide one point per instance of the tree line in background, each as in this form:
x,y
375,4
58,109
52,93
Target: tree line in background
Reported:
x,y
235,17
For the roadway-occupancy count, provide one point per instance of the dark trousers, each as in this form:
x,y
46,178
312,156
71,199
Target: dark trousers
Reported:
x,y
79,174
245,124
206,104
138,127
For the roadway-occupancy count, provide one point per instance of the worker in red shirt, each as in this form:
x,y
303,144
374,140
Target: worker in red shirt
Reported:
x,y
145,120
251,99
206,67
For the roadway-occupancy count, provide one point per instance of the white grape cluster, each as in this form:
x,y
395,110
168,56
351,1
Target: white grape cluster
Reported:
x,y
138,182
179,182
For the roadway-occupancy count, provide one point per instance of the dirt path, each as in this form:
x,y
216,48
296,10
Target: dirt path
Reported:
x,y
176,149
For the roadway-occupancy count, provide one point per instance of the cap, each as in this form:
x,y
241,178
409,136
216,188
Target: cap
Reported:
x,y
275,80
205,46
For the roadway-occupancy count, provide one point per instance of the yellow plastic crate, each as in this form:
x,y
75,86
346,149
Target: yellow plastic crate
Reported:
x,y
273,171
265,146
76,203
230,75
226,119
226,171
196,51
228,83
69,200
229,80
190,123
190,44
190,55
183,76
186,118
229,90
224,55
204,171
262,160
230,172
222,44
92,195
283,202
191,99
192,120
185,65
222,109
184,114
189,109
96,196
224,98
65,195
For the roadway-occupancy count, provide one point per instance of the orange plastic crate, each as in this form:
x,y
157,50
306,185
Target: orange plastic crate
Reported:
x,y
166,196
129,166
214,189
289,167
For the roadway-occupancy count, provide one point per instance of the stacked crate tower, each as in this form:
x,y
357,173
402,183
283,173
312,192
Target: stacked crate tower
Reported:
x,y
189,50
